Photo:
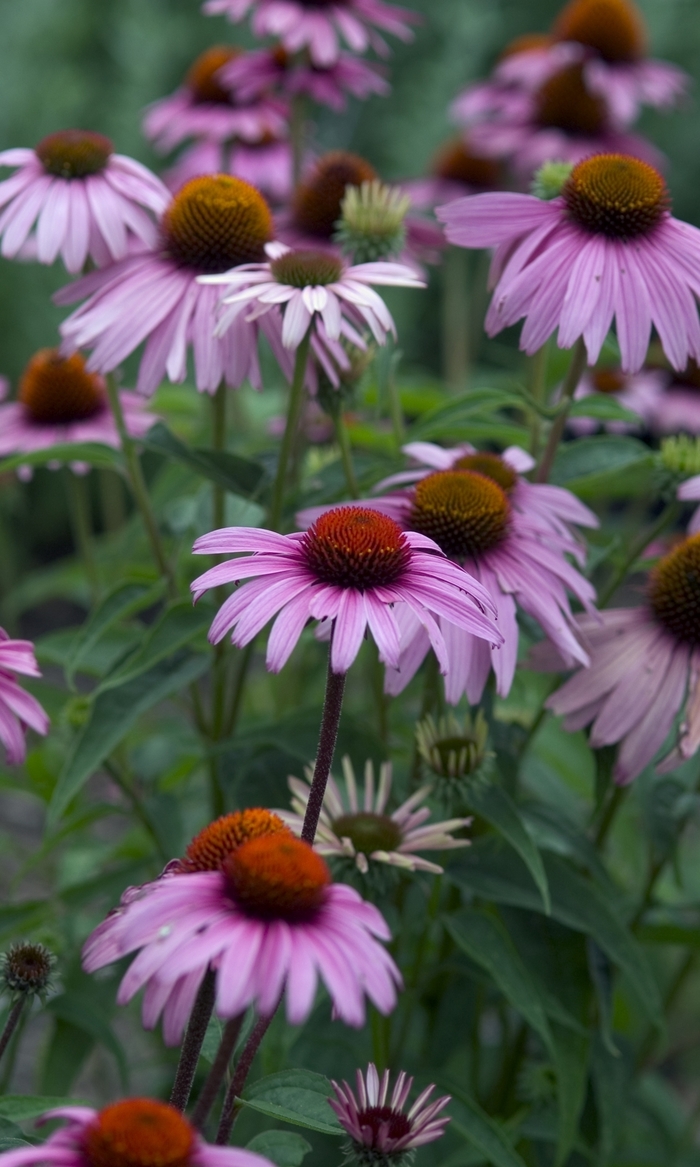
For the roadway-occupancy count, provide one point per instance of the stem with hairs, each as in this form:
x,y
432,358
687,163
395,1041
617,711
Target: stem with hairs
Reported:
x,y
294,410
194,1040
332,706
573,376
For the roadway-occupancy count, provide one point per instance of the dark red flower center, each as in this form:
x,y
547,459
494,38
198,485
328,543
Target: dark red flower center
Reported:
x,y
615,195
74,153
457,163
376,1116
139,1133
304,269
564,103
202,77
27,968
277,876
465,513
614,28
215,842
690,377
215,223
56,390
317,201
492,465
368,832
354,547
674,591
608,380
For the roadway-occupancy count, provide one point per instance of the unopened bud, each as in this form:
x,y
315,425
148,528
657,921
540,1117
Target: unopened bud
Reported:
x,y
371,226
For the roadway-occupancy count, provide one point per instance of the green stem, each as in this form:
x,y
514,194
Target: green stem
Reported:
x,y
120,780
294,409
81,522
238,688
111,500
397,421
343,440
668,515
455,317
138,486
573,376
538,386
608,816
218,441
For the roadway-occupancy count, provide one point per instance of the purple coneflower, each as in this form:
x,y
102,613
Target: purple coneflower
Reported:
x,y
214,223
644,662
18,710
257,905
73,196
355,825
606,248
266,165
351,568
135,1132
456,170
303,24
252,75
382,1130
641,392
59,402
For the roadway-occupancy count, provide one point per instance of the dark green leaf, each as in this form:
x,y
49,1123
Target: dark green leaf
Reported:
x,y
570,1051
16,918
238,475
18,1107
66,1054
482,1131
495,805
299,1097
285,1148
94,453
77,1010
178,625
604,407
612,465
125,600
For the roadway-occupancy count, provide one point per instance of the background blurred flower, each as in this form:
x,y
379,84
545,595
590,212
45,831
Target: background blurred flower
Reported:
x,y
18,710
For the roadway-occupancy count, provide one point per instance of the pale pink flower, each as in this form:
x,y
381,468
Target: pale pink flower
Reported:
x,y
643,393
266,165
18,710
678,407
213,223
268,920
351,569
379,1124
302,24
606,248
251,75
73,196
355,824
143,1130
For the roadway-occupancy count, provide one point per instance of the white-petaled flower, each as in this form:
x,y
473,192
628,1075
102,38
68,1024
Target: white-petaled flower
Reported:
x,y
309,284
354,823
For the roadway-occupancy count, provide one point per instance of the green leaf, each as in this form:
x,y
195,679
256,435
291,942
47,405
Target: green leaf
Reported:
x,y
123,601
11,1136
78,1011
570,1052
495,805
66,1054
481,1131
465,406
485,941
617,466
608,1075
238,475
665,934
18,1107
604,407
178,625
24,917
299,1097
113,714
285,1148
94,453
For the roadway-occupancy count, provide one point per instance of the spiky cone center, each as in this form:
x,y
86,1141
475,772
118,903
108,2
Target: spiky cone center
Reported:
x,y
216,222
277,877
56,390
74,153
525,44
674,591
202,78
212,846
139,1132
306,269
456,163
564,103
491,465
317,202
368,832
614,28
354,547
465,513
681,454
616,196
26,968
608,380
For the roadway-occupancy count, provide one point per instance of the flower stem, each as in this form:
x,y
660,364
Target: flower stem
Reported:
x,y
81,522
455,317
215,1077
11,1023
296,401
332,706
194,1040
251,1047
343,440
608,816
393,396
573,376
538,385
668,515
111,500
218,441
138,486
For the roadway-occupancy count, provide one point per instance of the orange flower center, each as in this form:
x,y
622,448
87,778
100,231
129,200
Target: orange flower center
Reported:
x,y
456,163
613,27
277,876
464,512
674,591
215,842
617,196
74,153
564,103
304,269
202,76
215,223
56,390
492,465
608,380
525,44
317,201
354,547
139,1133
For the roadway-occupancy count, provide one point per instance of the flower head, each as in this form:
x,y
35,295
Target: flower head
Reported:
x,y
258,906
355,825
371,225
213,223
18,710
25,970
266,164
274,70
457,169
350,569
135,1132
453,751
382,1130
73,196
643,393
607,248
